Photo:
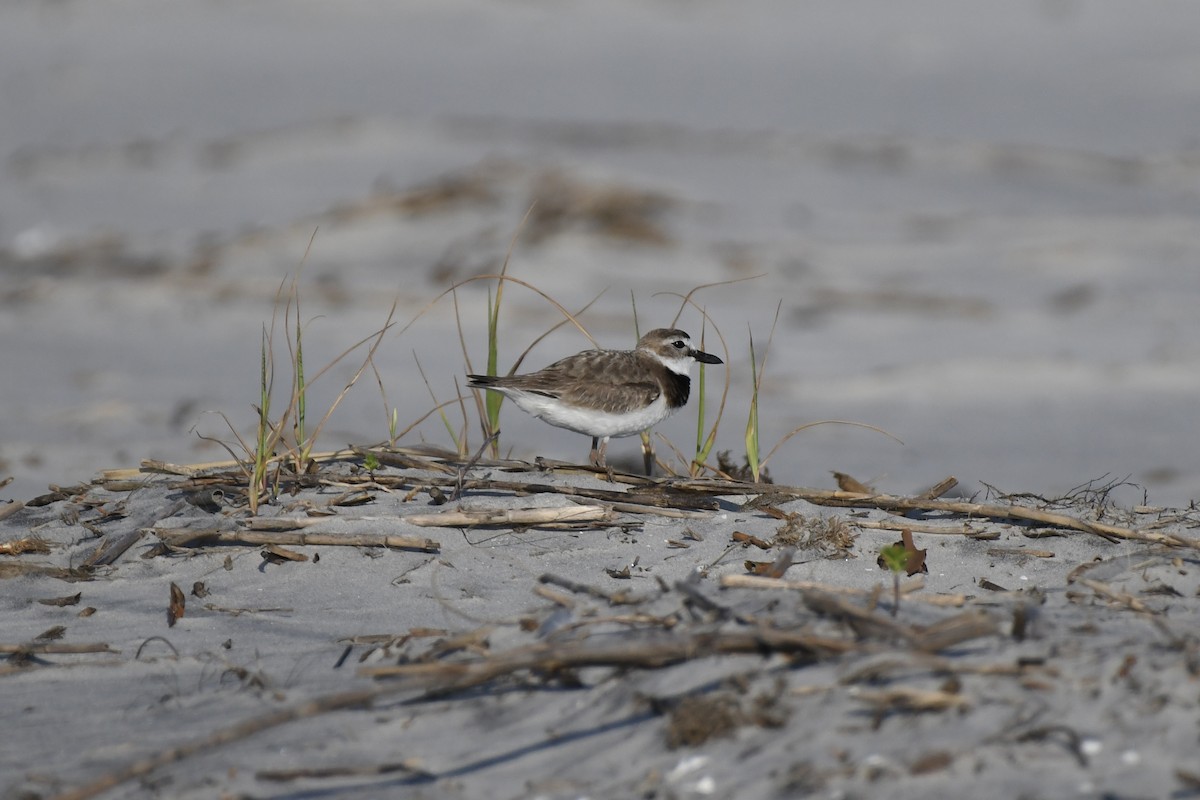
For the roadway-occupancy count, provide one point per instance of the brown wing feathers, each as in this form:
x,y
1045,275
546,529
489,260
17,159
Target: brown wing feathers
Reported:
x,y
592,379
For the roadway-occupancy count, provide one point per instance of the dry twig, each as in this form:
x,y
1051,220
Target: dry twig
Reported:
x,y
509,517
907,590
176,537
653,651
885,502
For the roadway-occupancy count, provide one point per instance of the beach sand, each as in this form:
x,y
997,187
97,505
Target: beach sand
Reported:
x,y
1050,650
978,226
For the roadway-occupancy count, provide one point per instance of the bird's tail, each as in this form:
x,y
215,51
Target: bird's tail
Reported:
x,y
481,381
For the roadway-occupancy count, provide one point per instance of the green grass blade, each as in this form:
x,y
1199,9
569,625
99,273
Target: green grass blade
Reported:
x,y
752,420
301,390
704,442
258,472
493,400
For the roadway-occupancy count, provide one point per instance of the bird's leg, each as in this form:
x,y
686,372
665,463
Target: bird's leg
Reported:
x,y
599,448
603,463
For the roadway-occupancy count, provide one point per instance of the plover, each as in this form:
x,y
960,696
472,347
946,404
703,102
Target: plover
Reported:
x,y
607,393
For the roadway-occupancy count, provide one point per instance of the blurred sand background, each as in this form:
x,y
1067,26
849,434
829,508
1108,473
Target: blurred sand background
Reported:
x,y
981,220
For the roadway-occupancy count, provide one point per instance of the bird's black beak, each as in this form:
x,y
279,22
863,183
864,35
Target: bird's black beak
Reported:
x,y
706,358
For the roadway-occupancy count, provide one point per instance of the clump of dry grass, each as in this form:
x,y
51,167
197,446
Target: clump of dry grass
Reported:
x,y
27,544
828,536
698,718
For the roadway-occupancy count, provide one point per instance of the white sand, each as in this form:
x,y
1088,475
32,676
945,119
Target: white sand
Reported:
x,y
1096,695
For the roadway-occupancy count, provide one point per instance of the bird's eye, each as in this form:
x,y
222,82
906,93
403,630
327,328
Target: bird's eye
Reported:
x,y
678,344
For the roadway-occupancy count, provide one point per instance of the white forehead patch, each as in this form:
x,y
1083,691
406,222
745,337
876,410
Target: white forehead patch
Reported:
x,y
678,360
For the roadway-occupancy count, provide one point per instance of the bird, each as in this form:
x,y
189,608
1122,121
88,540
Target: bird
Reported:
x,y
607,393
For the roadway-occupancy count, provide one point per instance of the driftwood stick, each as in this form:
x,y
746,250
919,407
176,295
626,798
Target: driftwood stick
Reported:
x,y
214,536
21,569
907,698
660,496
939,488
623,597
276,524
948,632
908,590
8,509
403,460
48,648
889,525
1124,598
509,516
410,767
659,511
651,652
112,547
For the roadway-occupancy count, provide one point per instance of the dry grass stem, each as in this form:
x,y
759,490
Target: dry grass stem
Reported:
x,y
237,612
960,529
885,502
26,544
939,488
905,699
510,517
281,523
659,511
907,590
174,537
366,770
113,547
644,651
621,598
55,648
1122,598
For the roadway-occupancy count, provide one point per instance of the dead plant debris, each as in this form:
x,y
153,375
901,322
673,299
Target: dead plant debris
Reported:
x,y
69,600
696,719
175,608
826,536
848,483
26,544
914,559
51,634
747,539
